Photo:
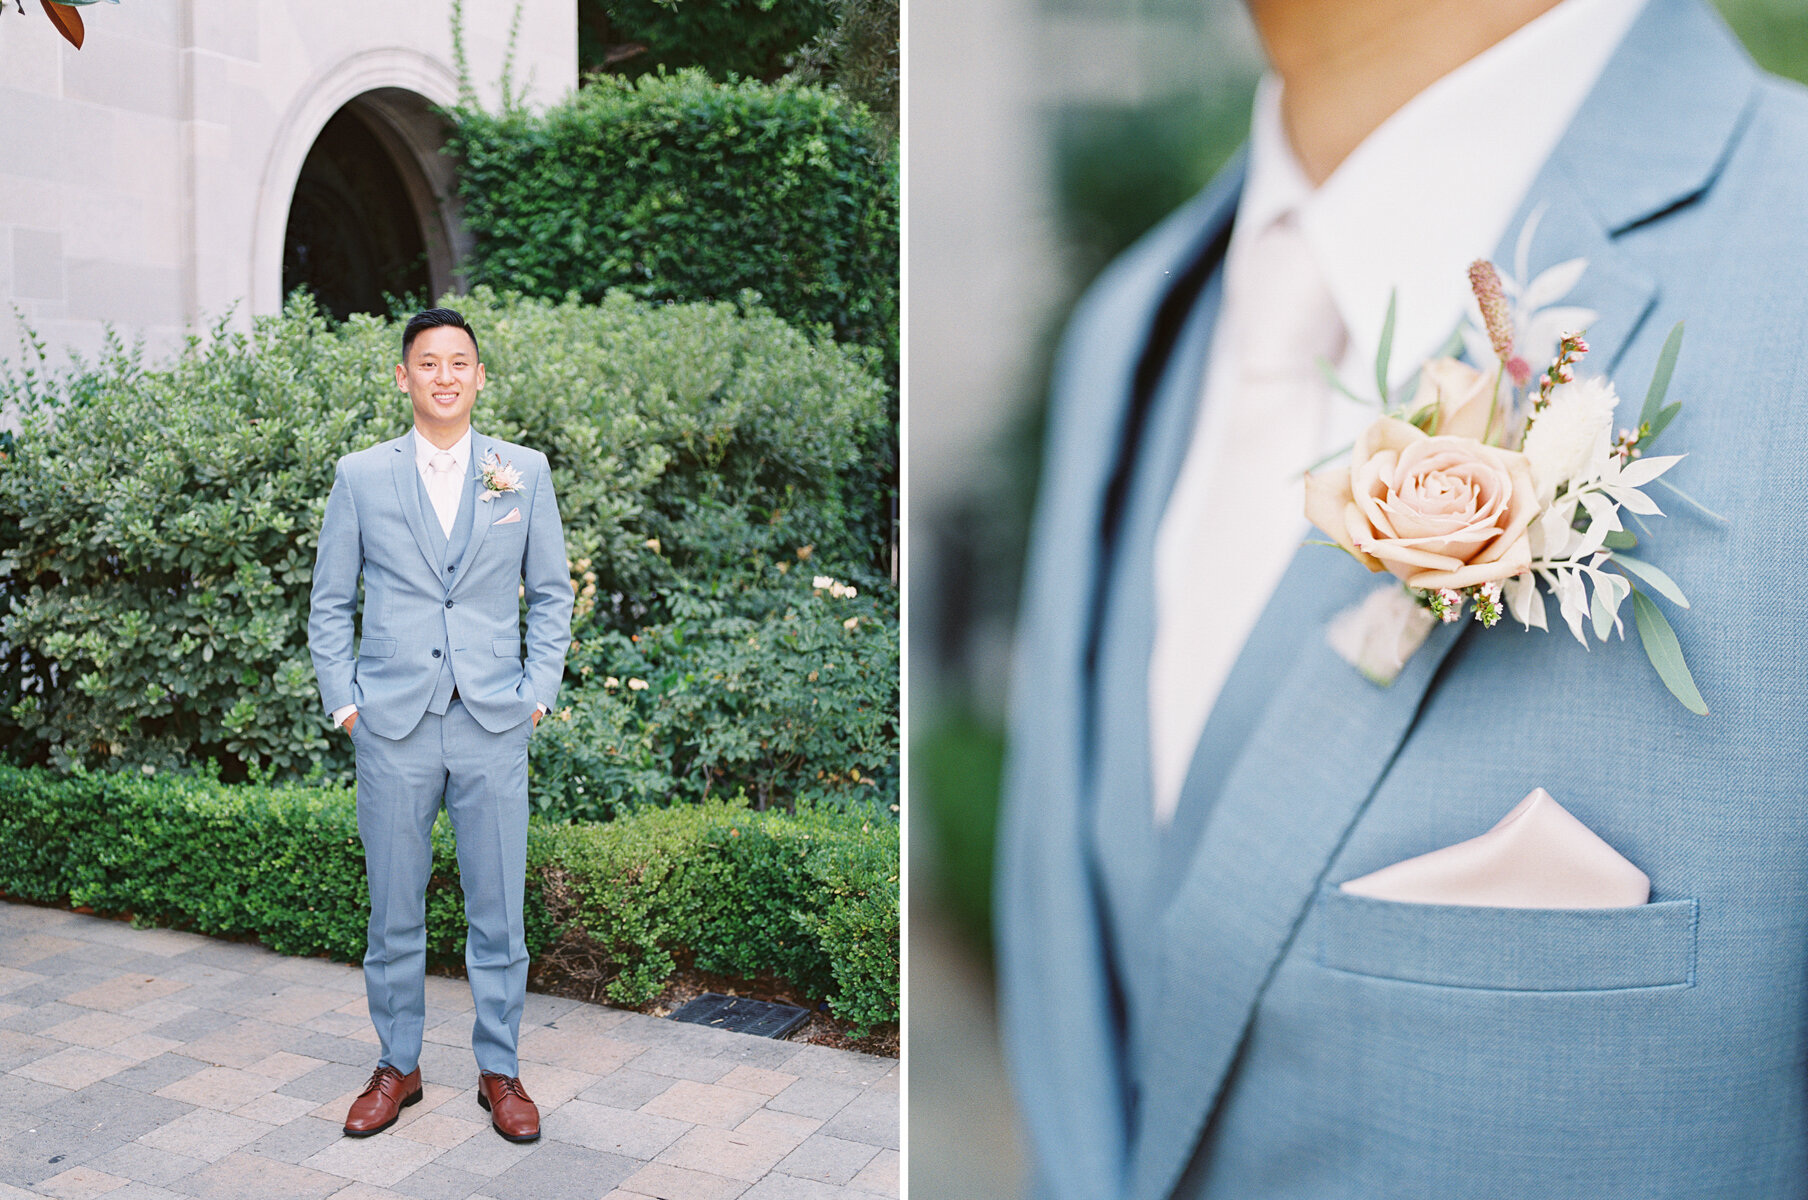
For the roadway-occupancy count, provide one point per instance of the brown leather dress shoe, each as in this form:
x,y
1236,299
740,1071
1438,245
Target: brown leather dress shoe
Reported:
x,y
382,1100
511,1112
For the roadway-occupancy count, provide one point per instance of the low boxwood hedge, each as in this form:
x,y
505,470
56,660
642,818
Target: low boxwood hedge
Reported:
x,y
811,896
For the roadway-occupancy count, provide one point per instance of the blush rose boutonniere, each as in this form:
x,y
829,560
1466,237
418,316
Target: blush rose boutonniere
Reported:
x,y
1490,489
1439,512
497,476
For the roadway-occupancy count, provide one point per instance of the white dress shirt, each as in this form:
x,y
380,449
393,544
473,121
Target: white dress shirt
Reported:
x,y
445,494
444,490
1429,191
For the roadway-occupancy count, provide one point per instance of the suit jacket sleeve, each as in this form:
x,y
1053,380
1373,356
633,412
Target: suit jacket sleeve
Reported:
x,y
546,578
1057,1011
334,602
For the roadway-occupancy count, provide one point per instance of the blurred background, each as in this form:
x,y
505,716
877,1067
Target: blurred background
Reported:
x,y
1043,137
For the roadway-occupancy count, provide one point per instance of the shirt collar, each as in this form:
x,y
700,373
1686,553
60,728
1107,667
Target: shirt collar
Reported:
x,y
424,450
1434,186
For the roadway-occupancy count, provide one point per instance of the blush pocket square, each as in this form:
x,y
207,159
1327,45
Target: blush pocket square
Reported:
x,y
1538,856
514,515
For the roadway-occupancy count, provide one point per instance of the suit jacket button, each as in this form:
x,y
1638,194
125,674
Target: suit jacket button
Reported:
x,y
448,604
436,654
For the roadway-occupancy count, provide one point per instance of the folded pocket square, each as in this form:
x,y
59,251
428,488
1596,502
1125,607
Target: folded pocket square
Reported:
x,y
514,514
1539,856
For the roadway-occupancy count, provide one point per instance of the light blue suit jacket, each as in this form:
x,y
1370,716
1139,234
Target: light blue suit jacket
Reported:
x,y
1201,1013
422,615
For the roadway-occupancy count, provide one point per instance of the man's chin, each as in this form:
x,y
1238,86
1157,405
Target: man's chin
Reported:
x,y
442,416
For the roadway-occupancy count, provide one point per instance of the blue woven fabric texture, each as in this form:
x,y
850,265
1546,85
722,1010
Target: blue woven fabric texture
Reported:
x,y
1197,1011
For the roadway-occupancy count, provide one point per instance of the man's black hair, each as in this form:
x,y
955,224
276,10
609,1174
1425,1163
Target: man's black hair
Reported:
x,y
433,318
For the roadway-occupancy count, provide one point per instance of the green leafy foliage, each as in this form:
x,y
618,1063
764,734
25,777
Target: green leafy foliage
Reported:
x,y
740,37
1660,385
812,897
858,53
158,527
282,863
782,691
1665,652
675,187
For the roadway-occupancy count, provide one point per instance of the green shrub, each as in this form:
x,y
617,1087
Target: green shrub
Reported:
x,y
785,692
858,927
158,527
674,187
279,863
812,897
742,37
619,891
857,53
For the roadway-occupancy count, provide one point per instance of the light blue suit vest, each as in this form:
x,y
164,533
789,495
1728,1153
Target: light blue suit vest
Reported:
x,y
1198,1011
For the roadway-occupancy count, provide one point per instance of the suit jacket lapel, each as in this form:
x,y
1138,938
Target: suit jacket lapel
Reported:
x,y
482,514
1286,806
408,494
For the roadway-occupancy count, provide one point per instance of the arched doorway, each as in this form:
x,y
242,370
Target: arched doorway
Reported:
x,y
369,229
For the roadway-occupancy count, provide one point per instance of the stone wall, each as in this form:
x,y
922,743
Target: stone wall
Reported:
x,y
145,179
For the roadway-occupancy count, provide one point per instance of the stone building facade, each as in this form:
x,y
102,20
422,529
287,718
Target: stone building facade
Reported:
x,y
195,153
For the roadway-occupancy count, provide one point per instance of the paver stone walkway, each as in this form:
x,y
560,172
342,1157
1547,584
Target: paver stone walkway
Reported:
x,y
146,1064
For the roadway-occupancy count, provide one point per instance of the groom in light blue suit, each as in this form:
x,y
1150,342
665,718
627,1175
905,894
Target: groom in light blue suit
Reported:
x,y
449,530
1195,1009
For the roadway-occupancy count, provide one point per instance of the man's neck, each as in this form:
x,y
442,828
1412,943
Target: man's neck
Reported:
x,y
442,437
1345,68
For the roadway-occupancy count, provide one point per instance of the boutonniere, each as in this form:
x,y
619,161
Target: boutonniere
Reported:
x,y
497,476
1490,489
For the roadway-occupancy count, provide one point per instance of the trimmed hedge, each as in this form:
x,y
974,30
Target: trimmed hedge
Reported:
x,y
281,863
675,187
812,897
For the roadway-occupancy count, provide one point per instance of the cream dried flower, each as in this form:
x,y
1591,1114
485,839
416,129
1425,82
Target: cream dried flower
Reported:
x,y
1570,438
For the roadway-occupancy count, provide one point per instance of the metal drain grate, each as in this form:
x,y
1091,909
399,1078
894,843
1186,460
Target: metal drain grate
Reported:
x,y
738,1014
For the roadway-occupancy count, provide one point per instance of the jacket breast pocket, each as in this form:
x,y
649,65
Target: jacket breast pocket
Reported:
x,y
377,647
1509,949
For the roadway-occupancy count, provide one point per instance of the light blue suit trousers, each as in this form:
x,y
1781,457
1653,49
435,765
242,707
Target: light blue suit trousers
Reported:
x,y
482,777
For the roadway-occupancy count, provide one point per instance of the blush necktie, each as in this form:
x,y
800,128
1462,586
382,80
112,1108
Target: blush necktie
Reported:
x,y
442,488
1235,518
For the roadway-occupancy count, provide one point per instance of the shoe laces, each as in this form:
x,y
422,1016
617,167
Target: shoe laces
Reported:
x,y
510,1086
383,1071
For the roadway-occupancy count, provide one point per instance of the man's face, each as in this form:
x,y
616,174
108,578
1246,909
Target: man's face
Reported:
x,y
442,377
